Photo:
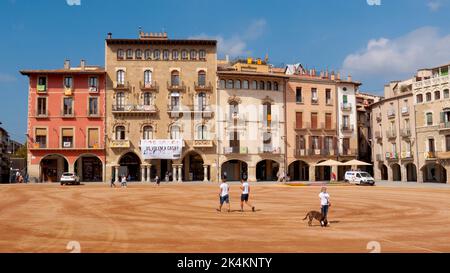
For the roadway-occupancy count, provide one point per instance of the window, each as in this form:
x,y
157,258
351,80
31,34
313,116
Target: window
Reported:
x,y
93,106
67,138
346,122
315,142
193,55
202,101
147,132
93,138
298,95
429,120
202,78
147,77
202,54
314,95
148,54
328,96
234,109
313,120
175,132
42,84
120,133
175,101
275,86
120,101
229,84
41,137
42,106
437,95
269,86
267,107
328,143
428,96
138,54
419,98
147,98
345,99
68,82
120,77
446,94
129,54
237,84
93,82
68,106
431,146
299,120
245,84
254,85
120,54
157,54
447,143
222,84
184,54
328,120
175,55
202,132
166,55
345,145
175,78
300,142
261,85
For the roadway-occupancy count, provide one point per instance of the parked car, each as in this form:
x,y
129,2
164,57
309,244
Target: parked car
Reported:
x,y
359,178
70,178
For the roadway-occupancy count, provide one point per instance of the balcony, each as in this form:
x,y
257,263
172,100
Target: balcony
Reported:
x,y
430,155
176,86
149,86
346,106
300,127
391,156
235,150
117,144
347,128
314,101
444,126
237,121
405,111
175,111
265,149
321,152
390,134
203,87
391,113
432,82
206,111
349,152
134,109
406,155
41,88
121,86
443,155
300,152
68,90
406,132
202,143
67,114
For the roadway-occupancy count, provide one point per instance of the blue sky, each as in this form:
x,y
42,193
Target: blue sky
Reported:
x,y
376,44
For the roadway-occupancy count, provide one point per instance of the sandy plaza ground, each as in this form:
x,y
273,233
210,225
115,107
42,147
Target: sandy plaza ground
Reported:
x,y
183,218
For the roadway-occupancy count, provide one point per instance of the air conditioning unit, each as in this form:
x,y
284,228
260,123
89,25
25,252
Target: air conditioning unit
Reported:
x,y
93,89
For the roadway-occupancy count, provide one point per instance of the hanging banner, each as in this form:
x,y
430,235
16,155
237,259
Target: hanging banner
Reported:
x,y
161,148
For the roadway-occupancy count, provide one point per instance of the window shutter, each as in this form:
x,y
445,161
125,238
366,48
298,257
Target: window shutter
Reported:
x,y
442,117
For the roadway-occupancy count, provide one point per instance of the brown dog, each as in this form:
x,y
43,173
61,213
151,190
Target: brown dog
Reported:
x,y
318,216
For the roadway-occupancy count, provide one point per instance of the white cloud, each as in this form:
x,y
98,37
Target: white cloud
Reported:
x,y
236,45
393,59
434,5
6,78
73,2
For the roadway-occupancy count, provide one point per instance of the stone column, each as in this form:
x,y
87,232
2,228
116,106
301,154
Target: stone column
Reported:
x,y
312,173
251,176
390,174
419,175
174,173
149,169
179,172
376,172
404,173
143,173
205,173
116,171
447,168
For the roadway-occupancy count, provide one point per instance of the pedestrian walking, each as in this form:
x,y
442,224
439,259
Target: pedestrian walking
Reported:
x,y
245,187
113,183
224,197
324,203
166,178
157,180
123,182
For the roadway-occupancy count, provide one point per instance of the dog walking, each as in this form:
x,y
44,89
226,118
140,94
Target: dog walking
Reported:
x,y
245,187
324,204
224,197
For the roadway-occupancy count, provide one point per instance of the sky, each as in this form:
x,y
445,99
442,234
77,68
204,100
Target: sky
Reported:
x,y
376,41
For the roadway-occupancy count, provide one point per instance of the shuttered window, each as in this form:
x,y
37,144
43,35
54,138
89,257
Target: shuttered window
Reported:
x,y
93,138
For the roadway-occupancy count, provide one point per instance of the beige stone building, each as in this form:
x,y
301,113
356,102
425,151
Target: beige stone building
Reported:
x,y
432,110
251,121
161,89
394,135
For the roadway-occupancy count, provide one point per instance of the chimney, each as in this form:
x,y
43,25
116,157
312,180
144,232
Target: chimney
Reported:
x,y
333,76
338,76
109,35
67,64
83,64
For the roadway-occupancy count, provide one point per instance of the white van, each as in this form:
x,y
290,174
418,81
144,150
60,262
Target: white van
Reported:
x,y
359,177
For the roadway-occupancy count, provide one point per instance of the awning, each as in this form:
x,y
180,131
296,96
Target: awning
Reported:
x,y
355,162
330,162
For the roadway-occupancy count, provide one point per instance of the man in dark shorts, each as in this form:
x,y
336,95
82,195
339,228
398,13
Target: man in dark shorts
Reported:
x,y
245,187
224,195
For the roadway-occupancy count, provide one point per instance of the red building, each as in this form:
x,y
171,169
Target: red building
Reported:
x,y
66,123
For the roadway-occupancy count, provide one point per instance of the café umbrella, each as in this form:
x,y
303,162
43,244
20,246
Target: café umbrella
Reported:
x,y
330,162
355,162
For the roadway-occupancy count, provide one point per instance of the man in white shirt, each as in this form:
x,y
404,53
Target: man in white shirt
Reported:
x,y
224,197
245,187
324,203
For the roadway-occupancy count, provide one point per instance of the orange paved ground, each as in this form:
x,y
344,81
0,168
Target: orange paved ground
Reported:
x,y
182,218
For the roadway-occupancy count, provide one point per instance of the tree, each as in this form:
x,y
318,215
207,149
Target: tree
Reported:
x,y
22,152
